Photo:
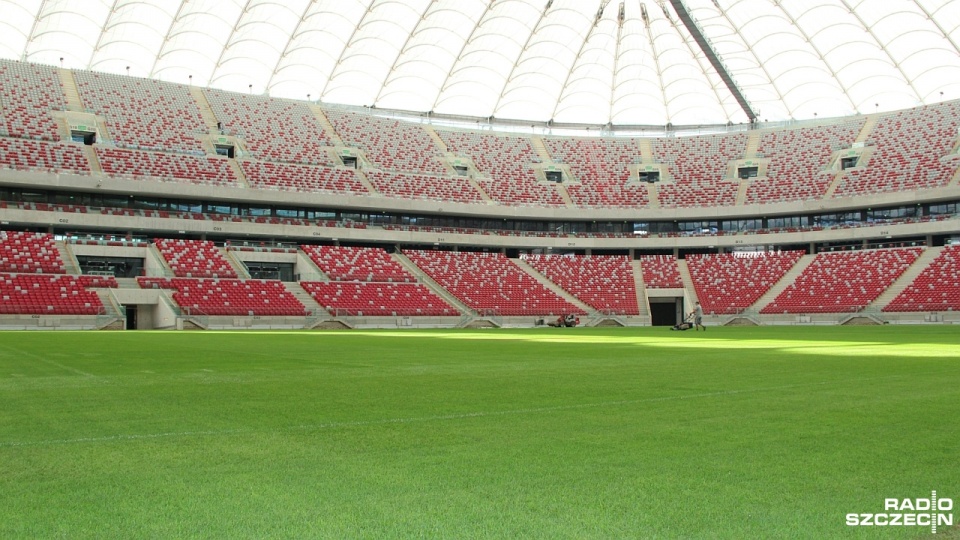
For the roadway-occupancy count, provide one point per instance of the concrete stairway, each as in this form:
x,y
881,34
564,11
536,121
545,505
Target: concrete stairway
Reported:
x,y
642,303
541,149
325,123
70,90
867,128
70,262
206,112
429,283
688,286
304,297
906,278
784,282
308,270
236,263
561,292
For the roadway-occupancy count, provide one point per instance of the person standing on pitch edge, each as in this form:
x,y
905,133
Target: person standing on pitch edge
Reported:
x,y
698,317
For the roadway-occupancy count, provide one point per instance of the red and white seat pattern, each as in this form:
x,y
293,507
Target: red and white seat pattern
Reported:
x,y
603,168
39,294
240,297
195,258
910,152
346,263
660,272
937,288
505,164
490,283
305,178
377,299
391,145
273,129
420,186
123,162
604,282
731,282
54,157
144,113
28,95
27,252
843,281
698,166
798,158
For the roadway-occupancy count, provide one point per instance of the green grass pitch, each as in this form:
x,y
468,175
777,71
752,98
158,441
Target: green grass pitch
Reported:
x,y
769,432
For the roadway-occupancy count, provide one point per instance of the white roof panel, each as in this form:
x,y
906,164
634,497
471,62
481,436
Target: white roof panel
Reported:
x,y
594,62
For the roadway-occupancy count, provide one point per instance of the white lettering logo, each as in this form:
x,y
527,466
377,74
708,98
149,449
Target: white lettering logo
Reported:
x,y
930,512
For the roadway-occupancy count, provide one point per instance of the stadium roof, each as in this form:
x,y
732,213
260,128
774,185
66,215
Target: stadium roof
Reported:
x,y
593,62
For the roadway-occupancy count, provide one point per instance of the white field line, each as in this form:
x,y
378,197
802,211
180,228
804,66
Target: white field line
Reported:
x,y
408,420
49,362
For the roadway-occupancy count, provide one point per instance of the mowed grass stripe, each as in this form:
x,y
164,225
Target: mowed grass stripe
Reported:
x,y
589,433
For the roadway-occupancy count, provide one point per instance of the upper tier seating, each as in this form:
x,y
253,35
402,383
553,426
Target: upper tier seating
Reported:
x,y
355,298
35,294
179,167
306,178
603,168
798,159
273,129
55,157
910,147
698,166
243,297
28,94
491,283
728,283
27,252
504,163
418,186
345,263
936,288
603,282
144,113
660,272
390,145
195,258
844,281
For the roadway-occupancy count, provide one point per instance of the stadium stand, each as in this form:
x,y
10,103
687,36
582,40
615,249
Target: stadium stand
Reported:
x,y
178,167
844,281
27,252
490,283
39,294
28,93
909,147
144,113
373,299
728,283
273,129
55,157
305,178
935,289
390,145
660,272
504,163
605,283
238,297
602,167
698,166
344,263
419,186
798,158
195,258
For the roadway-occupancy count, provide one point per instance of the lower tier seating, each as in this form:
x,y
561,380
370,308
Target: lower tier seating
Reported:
x,y
937,288
845,281
355,298
603,282
249,297
44,294
35,253
491,283
728,283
